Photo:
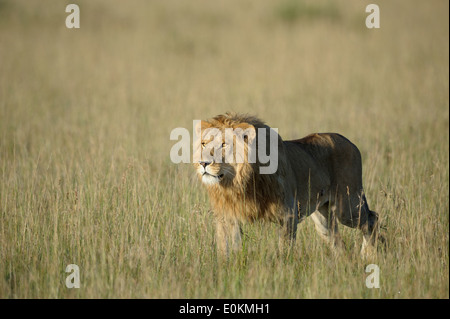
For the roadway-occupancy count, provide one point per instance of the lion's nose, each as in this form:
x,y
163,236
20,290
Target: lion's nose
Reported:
x,y
204,164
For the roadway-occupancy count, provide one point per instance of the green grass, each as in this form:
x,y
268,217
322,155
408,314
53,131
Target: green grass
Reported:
x,y
292,11
85,119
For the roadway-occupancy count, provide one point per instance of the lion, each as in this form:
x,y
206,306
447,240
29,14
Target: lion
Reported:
x,y
319,175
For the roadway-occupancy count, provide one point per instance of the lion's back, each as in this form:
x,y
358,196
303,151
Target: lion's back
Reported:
x,y
331,153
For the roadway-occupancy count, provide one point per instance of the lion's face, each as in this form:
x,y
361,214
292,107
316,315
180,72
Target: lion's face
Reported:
x,y
212,167
221,159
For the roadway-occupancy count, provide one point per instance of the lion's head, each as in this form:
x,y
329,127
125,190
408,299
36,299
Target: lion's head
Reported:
x,y
226,165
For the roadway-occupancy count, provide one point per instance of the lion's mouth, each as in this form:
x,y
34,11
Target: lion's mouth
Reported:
x,y
220,176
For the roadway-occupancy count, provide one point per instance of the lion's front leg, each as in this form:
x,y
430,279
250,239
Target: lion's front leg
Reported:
x,y
228,235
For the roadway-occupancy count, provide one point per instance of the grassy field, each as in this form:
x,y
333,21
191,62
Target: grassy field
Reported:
x,y
85,119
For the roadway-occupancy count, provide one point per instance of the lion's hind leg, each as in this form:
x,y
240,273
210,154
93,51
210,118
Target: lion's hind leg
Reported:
x,y
327,227
356,214
370,233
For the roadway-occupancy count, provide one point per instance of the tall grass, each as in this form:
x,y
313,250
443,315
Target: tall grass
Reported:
x,y
85,119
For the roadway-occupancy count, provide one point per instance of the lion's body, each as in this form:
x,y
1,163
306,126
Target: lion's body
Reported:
x,y
327,169
319,174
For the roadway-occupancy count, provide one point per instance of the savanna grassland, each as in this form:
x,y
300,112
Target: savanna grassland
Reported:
x,y
86,115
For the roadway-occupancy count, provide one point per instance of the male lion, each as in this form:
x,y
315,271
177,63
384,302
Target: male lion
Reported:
x,y
319,175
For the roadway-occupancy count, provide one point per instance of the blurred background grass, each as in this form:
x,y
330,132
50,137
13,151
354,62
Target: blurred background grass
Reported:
x,y
85,119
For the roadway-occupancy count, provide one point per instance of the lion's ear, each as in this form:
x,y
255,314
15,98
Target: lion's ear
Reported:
x,y
249,132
